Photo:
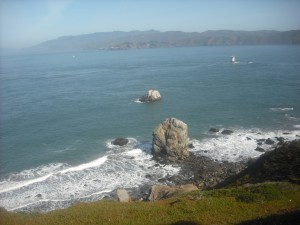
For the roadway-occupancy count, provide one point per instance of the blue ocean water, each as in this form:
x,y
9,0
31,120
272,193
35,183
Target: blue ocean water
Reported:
x,y
60,111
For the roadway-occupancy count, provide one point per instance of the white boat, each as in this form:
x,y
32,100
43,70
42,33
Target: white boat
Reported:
x,y
232,60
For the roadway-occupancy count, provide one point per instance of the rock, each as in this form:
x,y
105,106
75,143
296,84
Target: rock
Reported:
x,y
163,191
123,195
259,149
160,192
280,139
227,132
148,176
248,138
120,141
151,96
187,188
269,141
214,130
170,140
38,195
191,146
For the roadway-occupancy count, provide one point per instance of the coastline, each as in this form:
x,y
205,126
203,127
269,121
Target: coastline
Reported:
x,y
133,168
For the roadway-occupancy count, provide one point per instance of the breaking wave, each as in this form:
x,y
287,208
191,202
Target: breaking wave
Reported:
x,y
59,185
241,145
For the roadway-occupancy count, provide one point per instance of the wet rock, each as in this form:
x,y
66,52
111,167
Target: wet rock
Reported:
x,y
123,196
170,140
191,146
227,132
38,195
120,141
259,149
248,138
214,130
261,140
204,172
148,176
151,96
162,180
269,141
280,139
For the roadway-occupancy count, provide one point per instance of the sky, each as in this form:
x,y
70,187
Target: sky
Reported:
x,y
24,23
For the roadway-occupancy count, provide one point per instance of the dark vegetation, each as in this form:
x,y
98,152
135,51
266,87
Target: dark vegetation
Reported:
x,y
281,164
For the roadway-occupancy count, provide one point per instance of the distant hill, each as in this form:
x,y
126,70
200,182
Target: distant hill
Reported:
x,y
119,40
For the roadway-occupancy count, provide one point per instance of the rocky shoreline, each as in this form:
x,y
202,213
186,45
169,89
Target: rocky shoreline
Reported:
x,y
200,171
171,146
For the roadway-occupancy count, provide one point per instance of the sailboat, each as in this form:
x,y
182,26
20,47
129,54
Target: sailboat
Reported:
x,y
232,60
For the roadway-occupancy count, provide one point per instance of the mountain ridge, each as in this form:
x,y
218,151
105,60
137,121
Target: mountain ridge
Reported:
x,y
121,40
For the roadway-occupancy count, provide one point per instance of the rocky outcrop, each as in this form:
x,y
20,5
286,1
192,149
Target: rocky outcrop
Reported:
x,y
170,140
123,195
214,130
120,141
151,96
160,192
227,132
281,164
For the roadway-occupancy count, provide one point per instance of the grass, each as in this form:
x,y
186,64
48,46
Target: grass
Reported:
x,y
219,206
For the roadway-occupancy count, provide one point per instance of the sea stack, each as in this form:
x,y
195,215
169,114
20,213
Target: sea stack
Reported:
x,y
170,141
151,96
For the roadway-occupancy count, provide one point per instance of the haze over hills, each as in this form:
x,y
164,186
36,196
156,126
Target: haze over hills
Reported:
x,y
119,40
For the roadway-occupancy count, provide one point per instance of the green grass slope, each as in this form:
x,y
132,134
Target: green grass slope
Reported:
x,y
219,206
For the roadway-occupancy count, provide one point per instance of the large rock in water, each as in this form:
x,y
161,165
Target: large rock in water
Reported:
x,y
151,96
120,141
170,140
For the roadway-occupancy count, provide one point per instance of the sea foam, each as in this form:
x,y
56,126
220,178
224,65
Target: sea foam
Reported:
x,y
240,145
61,185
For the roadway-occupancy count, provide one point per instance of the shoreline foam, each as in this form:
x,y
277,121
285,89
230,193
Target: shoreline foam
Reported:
x,y
59,185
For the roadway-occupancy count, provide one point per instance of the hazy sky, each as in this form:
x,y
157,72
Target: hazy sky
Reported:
x,y
28,22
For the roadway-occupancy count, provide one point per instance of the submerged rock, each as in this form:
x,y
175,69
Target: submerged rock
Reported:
x,y
120,141
259,149
170,140
151,96
269,141
214,130
227,132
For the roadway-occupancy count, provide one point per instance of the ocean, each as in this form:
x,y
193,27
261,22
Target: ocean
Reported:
x,y
60,112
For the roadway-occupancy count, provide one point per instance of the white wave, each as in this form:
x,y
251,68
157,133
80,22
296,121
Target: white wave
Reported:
x,y
12,185
281,109
240,145
122,167
297,126
58,200
84,166
292,118
138,101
